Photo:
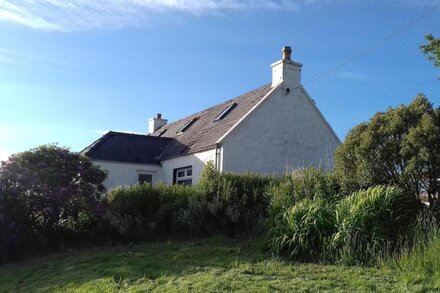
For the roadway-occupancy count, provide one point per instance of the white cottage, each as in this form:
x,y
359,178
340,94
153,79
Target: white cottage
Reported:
x,y
269,130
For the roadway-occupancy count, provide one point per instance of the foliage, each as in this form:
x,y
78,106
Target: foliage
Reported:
x,y
304,231
227,204
221,204
396,147
44,194
370,223
144,212
309,183
432,49
209,179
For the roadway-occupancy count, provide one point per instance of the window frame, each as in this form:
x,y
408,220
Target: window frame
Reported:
x,y
161,132
141,173
187,125
225,112
185,179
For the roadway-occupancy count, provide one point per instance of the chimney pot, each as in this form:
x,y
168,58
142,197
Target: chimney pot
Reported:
x,y
286,70
287,52
159,116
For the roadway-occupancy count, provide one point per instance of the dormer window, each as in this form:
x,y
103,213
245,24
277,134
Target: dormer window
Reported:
x,y
187,125
225,112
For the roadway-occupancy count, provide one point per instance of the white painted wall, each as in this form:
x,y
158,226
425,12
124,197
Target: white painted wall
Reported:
x,y
197,161
127,173
285,132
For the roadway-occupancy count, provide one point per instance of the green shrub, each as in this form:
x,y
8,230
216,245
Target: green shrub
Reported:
x,y
145,212
227,204
49,197
245,197
310,183
303,232
315,183
371,223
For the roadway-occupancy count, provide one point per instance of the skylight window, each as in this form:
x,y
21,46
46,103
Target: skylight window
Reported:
x,y
187,125
225,112
161,132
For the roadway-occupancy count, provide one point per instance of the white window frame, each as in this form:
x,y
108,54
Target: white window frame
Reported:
x,y
187,175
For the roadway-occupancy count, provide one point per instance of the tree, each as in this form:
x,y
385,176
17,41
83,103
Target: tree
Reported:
x,y
398,147
432,49
43,189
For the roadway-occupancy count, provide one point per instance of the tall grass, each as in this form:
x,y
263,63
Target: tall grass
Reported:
x,y
371,223
420,260
309,183
304,231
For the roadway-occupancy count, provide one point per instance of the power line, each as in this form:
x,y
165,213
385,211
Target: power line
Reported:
x,y
373,46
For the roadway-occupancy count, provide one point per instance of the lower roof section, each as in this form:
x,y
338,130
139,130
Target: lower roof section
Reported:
x,y
127,147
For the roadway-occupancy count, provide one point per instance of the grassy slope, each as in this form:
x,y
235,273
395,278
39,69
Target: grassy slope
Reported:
x,y
204,266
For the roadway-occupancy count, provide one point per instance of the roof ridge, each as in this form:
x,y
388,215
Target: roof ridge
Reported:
x,y
137,134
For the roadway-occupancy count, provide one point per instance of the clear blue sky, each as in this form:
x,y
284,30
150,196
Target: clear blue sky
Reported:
x,y
71,70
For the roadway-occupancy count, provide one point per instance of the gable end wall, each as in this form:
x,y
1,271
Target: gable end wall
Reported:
x,y
284,133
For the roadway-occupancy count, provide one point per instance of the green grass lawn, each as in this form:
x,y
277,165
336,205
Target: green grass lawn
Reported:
x,y
204,266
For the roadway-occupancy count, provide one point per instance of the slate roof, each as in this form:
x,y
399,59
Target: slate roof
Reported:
x,y
204,132
127,147
201,135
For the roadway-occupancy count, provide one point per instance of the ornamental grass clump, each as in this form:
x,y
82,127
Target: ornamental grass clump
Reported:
x,y
371,224
304,231
309,183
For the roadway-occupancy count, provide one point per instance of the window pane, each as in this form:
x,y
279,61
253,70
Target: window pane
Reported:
x,y
181,174
145,178
189,172
185,182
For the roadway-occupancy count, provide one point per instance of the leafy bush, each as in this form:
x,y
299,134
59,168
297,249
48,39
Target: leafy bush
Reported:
x,y
397,147
227,204
145,212
370,223
304,231
45,195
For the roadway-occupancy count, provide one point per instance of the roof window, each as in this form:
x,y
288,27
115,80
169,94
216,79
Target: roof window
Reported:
x,y
161,132
187,125
225,112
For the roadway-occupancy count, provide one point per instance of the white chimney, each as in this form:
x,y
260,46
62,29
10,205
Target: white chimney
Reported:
x,y
286,70
155,123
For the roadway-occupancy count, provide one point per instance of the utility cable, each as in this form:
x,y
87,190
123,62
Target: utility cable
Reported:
x,y
371,48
